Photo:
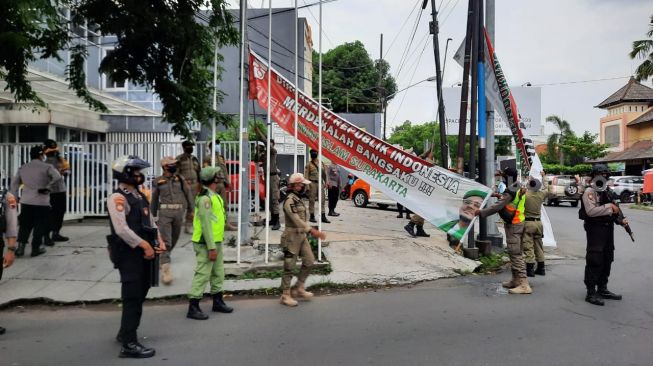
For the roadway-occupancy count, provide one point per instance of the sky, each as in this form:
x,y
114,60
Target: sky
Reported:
x,y
561,45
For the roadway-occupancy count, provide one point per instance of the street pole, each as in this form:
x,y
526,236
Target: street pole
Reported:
x,y
380,88
473,109
243,200
434,30
464,90
482,127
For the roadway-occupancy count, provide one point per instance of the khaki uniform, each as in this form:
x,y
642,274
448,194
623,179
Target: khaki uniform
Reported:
x,y
171,198
533,229
311,173
274,181
10,206
189,168
294,241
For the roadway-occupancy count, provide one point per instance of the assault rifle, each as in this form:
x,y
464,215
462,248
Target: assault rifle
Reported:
x,y
151,235
619,218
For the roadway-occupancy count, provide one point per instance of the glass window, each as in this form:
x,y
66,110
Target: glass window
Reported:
x,y
75,135
33,133
612,135
109,83
61,134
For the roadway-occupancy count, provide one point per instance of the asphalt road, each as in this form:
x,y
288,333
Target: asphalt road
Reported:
x,y
463,321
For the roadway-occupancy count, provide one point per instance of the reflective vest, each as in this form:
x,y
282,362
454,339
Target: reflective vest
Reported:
x,y
217,218
513,213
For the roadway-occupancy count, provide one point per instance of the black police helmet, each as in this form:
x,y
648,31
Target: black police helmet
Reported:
x,y
598,169
187,143
36,152
124,167
50,144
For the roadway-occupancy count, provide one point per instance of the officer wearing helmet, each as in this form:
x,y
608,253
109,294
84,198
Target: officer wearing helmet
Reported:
x,y
57,192
294,241
129,212
8,231
597,210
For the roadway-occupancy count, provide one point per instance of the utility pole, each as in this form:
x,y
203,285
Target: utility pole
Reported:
x,y
473,109
380,88
482,127
464,90
435,31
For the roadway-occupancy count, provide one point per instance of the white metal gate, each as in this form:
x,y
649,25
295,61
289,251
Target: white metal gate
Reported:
x,y
90,182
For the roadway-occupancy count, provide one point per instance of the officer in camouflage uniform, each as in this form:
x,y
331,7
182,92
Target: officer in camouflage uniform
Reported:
x,y
274,178
311,171
189,168
171,197
533,229
8,231
208,235
294,241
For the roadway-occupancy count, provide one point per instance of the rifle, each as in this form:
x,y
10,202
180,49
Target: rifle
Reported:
x,y
151,235
619,220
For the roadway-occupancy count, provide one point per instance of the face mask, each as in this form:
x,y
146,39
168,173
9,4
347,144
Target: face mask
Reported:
x,y
313,156
188,150
172,169
50,154
139,179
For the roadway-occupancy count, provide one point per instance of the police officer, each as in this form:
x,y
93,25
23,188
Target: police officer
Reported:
x,y
511,209
597,211
171,198
311,171
129,212
35,177
333,174
208,234
8,231
220,163
57,192
294,241
189,168
533,229
274,179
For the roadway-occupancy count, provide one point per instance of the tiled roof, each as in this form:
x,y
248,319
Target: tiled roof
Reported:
x,y
631,92
639,150
646,117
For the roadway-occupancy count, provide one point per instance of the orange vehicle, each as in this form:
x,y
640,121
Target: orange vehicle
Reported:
x,y
362,194
234,182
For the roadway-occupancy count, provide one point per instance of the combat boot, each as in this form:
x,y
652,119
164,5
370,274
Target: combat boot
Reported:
x,y
410,228
286,299
540,269
36,251
20,251
58,237
2,330
275,222
312,219
299,291
166,274
593,297
219,306
604,293
47,240
324,219
510,284
401,215
530,269
136,350
522,287
194,311
333,213
420,231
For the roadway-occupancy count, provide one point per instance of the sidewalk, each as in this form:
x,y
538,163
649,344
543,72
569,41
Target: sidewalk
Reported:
x,y
363,245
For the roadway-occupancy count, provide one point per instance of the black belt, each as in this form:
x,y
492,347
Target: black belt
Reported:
x,y
532,219
314,181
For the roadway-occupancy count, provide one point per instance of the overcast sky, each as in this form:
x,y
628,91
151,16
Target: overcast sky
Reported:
x,y
542,42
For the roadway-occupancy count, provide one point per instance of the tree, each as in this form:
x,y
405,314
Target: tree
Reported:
x,y
422,138
644,49
162,46
578,149
557,139
351,80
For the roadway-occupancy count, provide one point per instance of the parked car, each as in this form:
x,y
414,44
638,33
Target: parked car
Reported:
x,y
363,194
233,167
563,188
626,187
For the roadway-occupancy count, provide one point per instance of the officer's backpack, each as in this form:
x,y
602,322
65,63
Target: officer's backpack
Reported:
x,y
3,220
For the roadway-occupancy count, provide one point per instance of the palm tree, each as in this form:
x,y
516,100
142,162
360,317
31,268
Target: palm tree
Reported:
x,y
644,49
556,140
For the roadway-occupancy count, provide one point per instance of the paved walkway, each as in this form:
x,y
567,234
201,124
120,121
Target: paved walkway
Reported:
x,y
363,245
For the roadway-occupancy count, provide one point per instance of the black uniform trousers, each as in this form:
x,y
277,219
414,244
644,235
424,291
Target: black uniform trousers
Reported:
x,y
334,191
58,210
135,280
600,253
33,218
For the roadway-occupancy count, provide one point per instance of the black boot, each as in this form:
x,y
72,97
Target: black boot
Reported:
x,y
410,228
529,269
135,350
58,237
540,269
20,251
275,222
2,330
420,231
593,297
312,219
194,311
604,293
36,251
401,215
324,219
47,241
333,213
219,306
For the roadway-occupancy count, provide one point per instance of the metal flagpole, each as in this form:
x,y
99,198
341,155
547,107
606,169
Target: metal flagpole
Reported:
x,y
215,101
268,123
319,147
296,86
243,200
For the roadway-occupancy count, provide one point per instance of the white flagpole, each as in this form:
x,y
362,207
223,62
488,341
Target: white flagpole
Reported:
x,y
215,100
268,122
319,147
243,119
296,86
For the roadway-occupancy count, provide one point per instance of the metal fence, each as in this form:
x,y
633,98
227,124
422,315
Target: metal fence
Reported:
x,y
90,182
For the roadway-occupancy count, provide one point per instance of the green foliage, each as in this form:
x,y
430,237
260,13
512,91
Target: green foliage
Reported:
x,y
580,169
576,149
231,133
351,80
643,49
491,263
160,46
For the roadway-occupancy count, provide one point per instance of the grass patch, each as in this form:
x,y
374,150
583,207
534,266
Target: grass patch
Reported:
x,y
277,273
491,263
642,207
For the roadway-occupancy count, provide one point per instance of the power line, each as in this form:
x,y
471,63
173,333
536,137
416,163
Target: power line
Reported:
x,y
402,28
314,18
410,82
402,61
449,13
581,81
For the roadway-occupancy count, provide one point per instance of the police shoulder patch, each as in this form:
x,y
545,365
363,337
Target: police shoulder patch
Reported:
x,y
161,181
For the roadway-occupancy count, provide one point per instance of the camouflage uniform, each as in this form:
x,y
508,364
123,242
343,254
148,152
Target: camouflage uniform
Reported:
x,y
311,172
